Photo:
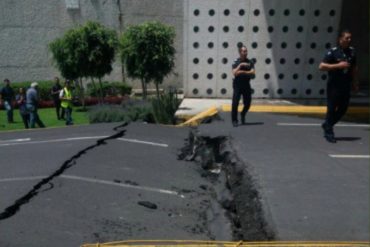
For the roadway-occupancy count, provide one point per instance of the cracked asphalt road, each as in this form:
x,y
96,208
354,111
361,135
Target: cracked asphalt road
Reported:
x,y
105,195
133,187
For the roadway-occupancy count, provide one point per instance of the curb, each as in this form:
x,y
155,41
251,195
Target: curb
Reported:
x,y
296,109
196,119
194,243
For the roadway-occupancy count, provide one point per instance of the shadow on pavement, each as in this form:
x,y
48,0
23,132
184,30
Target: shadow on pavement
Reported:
x,y
253,123
348,139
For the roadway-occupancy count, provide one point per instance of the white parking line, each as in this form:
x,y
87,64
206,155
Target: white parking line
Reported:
x,y
349,156
2,180
143,142
97,181
28,141
319,124
17,140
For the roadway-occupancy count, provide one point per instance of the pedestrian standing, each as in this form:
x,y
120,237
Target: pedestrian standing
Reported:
x,y
66,101
55,91
7,96
32,101
243,70
340,62
20,98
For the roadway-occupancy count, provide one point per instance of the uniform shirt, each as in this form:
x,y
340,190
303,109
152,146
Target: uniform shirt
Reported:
x,y
340,79
242,81
55,90
7,93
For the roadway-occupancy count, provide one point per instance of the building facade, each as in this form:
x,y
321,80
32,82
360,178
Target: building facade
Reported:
x,y
286,38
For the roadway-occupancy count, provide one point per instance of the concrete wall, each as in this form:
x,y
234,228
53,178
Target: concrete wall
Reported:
x,y
355,17
27,27
286,38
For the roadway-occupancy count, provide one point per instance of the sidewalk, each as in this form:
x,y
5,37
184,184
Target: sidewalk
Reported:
x,y
192,106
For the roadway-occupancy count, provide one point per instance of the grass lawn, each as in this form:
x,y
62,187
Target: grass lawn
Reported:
x,y
47,116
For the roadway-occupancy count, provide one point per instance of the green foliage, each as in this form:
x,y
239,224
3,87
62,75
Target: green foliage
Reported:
x,y
86,51
68,53
44,88
109,88
130,112
165,107
147,52
100,45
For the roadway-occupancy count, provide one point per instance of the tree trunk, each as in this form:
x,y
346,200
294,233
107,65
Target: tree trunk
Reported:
x,y
101,90
157,89
82,93
143,86
96,90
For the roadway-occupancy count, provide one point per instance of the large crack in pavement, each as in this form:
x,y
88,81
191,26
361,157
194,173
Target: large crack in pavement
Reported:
x,y
239,199
15,207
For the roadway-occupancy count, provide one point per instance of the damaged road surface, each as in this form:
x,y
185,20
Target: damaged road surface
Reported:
x,y
66,187
274,178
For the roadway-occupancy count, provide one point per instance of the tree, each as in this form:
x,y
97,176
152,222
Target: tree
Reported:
x,y
67,55
85,52
148,53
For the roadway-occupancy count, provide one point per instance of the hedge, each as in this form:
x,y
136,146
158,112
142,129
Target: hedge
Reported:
x,y
109,89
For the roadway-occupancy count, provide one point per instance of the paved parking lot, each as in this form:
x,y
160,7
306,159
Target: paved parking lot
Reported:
x,y
134,187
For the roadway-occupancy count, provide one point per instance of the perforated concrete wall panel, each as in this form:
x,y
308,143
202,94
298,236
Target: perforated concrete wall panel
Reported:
x,y
287,39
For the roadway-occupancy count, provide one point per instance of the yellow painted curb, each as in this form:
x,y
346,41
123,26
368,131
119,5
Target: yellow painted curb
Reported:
x,y
295,109
184,117
199,117
189,243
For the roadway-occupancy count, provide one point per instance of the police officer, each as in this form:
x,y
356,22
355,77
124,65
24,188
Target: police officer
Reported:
x,y
340,62
243,70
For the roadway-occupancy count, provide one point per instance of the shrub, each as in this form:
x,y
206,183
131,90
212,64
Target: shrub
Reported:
x,y
165,107
109,89
148,53
44,88
130,111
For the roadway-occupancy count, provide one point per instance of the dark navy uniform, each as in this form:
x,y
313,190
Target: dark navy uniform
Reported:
x,y
339,84
7,95
242,87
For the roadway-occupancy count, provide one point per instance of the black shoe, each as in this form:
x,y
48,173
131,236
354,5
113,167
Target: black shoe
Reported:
x,y
243,121
325,127
235,124
330,138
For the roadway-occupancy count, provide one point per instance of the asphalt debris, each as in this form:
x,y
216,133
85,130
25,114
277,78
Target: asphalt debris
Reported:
x,y
148,204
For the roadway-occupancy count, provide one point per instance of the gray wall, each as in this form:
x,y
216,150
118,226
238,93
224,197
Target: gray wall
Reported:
x,y
355,17
28,26
287,39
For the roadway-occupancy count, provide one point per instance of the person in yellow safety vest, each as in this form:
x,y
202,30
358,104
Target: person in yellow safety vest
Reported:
x,y
65,96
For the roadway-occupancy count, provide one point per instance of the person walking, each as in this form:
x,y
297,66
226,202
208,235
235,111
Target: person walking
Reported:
x,y
7,96
55,91
32,105
341,65
66,101
20,98
243,70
